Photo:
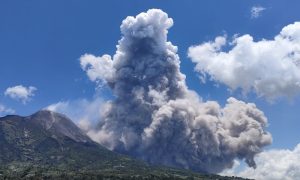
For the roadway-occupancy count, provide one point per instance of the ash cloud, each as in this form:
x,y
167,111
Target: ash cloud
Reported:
x,y
155,117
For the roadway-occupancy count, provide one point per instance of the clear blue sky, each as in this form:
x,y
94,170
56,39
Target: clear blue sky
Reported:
x,y
41,42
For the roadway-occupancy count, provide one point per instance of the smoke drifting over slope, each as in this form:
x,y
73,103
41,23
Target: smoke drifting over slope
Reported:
x,y
155,116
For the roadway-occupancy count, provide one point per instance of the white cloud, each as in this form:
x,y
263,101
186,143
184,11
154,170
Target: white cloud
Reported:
x,y
268,67
256,11
4,110
97,68
276,164
85,113
21,93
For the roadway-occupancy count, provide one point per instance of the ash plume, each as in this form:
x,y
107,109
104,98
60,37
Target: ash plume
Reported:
x,y
155,117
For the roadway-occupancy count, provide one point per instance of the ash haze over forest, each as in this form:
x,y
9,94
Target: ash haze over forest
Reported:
x,y
210,90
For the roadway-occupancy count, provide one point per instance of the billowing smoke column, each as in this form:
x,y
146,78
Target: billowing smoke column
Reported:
x,y
155,117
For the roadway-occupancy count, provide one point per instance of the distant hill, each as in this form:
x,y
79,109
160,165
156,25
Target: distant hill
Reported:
x,y
48,145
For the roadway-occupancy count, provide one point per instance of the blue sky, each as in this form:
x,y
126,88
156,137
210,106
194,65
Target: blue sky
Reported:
x,y
41,43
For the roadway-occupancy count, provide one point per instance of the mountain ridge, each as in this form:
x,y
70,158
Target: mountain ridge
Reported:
x,y
49,144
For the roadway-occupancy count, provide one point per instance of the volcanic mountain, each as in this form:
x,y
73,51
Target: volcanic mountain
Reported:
x,y
49,145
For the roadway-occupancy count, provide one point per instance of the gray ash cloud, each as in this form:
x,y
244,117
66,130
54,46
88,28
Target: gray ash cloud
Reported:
x,y
155,117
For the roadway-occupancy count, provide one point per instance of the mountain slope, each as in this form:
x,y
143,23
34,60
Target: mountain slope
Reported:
x,y
48,144
52,139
